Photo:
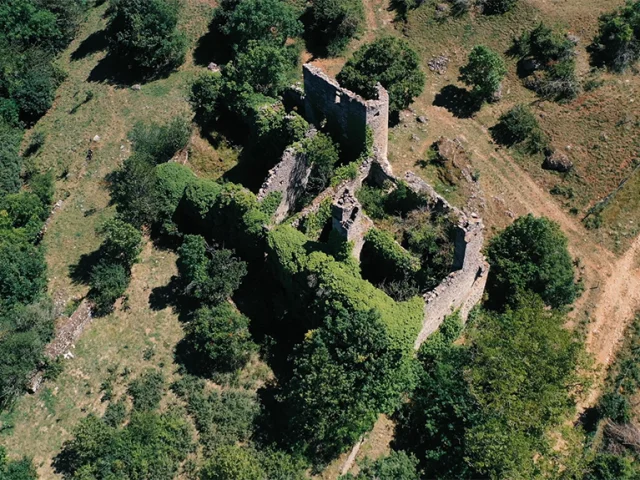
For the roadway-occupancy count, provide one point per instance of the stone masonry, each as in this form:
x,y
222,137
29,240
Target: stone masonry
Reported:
x,y
346,114
289,177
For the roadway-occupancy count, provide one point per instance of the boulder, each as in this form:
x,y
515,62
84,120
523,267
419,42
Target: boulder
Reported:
x,y
558,162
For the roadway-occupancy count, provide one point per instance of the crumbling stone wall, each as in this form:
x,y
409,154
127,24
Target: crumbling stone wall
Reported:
x,y
347,115
289,177
349,220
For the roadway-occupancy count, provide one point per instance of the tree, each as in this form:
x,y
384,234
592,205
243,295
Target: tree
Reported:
x,y
21,353
267,21
520,126
220,337
209,275
354,363
323,155
122,242
531,254
544,45
108,282
171,181
10,160
143,34
23,274
159,142
205,97
266,67
617,43
231,462
389,61
133,190
336,22
16,469
396,465
484,71
25,25
150,445
147,390
497,7
25,211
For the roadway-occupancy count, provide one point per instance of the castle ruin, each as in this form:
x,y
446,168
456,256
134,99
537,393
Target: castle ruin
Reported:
x,y
350,118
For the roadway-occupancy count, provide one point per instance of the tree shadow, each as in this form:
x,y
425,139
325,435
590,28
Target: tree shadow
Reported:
x,y
171,295
460,102
96,42
501,135
213,46
80,273
114,70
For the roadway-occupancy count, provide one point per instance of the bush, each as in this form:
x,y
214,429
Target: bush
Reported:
x,y
497,7
26,212
266,67
116,413
531,255
232,462
42,184
160,142
544,46
617,43
108,282
16,469
205,97
10,160
222,418
147,390
23,274
143,34
122,243
266,21
389,61
383,260
396,465
133,191
335,23
322,155
484,72
150,445
209,275
520,126
220,338
172,180
351,359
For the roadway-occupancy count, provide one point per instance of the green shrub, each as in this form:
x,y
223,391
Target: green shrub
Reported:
x,y
384,260
403,200
172,179
26,212
313,224
209,275
267,21
231,462
373,201
108,282
520,126
133,190
322,155
143,34
617,42
10,160
146,391
497,7
389,61
23,274
205,97
42,184
116,413
531,254
352,360
270,203
396,465
220,338
334,23
608,466
16,469
266,67
150,445
544,45
484,72
122,243
160,142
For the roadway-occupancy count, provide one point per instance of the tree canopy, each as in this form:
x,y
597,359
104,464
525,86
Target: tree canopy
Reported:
x,y
389,61
617,43
531,254
484,72
336,22
144,35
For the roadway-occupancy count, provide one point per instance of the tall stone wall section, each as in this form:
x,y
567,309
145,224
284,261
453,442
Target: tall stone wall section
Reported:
x,y
347,115
289,177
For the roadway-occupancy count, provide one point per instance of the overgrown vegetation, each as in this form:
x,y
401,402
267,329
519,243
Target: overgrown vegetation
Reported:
x,y
617,43
389,61
519,126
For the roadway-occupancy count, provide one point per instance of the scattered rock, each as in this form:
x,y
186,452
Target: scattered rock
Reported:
x,y
213,67
497,95
96,139
439,64
415,138
422,119
137,87
573,38
557,162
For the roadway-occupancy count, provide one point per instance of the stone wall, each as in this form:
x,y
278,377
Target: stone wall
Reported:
x,y
289,177
346,114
